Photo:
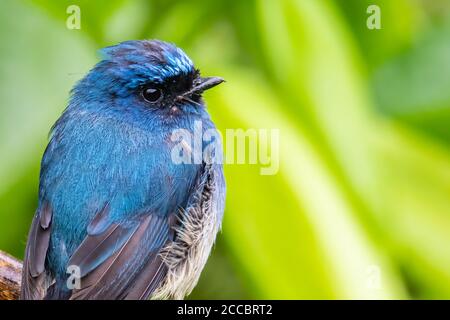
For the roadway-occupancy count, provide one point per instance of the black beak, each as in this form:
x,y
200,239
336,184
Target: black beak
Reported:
x,y
203,84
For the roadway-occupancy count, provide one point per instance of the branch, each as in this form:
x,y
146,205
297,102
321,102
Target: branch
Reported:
x,y
10,277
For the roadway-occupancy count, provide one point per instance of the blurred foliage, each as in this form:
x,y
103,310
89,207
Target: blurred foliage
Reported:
x,y
364,117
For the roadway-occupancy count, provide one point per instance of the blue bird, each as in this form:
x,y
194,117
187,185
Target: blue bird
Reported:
x,y
117,217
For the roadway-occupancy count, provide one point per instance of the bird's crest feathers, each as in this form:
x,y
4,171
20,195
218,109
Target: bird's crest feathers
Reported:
x,y
146,60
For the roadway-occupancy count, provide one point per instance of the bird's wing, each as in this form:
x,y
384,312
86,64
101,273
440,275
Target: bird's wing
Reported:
x,y
205,207
34,278
116,260
110,260
125,261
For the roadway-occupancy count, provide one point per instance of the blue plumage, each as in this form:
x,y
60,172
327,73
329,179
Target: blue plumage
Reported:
x,y
115,196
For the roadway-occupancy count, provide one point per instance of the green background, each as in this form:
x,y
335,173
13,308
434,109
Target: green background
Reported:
x,y
360,207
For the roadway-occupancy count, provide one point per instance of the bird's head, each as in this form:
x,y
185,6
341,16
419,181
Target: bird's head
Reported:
x,y
149,75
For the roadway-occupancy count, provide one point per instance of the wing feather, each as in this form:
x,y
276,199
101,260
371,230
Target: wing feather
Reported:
x,y
111,278
33,274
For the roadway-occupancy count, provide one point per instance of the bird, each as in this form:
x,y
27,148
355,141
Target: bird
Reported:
x,y
117,218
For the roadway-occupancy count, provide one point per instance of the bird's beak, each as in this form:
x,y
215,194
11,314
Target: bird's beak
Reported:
x,y
204,83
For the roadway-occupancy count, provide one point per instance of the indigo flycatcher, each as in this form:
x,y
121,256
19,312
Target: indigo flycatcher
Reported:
x,y
118,216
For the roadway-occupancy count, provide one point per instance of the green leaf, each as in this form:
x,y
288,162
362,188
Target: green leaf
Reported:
x,y
415,172
294,233
413,88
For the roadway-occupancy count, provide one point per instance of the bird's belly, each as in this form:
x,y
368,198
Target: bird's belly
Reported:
x,y
195,243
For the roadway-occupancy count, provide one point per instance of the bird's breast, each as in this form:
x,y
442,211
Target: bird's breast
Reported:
x,y
93,162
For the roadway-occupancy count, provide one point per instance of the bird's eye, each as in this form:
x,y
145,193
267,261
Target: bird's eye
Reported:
x,y
152,94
